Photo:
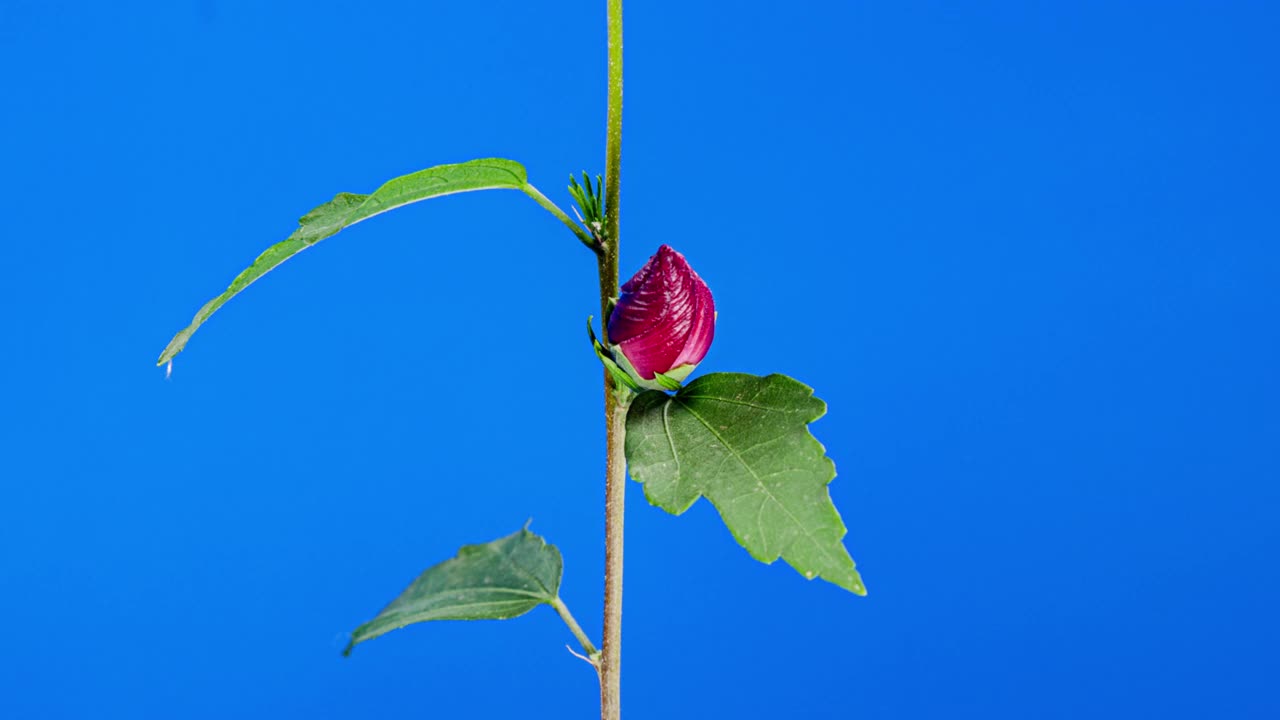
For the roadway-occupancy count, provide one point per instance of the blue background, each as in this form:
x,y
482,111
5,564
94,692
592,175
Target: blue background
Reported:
x,y
1026,251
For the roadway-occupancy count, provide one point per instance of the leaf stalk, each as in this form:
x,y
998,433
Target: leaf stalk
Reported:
x,y
563,611
582,235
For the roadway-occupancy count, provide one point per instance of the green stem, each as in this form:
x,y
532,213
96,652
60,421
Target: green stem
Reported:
x,y
613,126
551,207
563,611
610,665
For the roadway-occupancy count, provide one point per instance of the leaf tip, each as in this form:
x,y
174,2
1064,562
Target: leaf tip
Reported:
x,y
855,585
354,638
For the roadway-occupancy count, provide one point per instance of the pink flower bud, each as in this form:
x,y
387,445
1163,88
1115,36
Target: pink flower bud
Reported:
x,y
664,321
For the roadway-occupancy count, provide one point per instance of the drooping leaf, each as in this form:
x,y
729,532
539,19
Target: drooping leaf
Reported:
x,y
742,441
497,580
347,209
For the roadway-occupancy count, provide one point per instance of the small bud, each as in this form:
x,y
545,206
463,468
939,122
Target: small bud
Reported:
x,y
664,321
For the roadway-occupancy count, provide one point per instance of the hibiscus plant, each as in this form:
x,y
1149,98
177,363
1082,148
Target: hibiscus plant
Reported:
x,y
742,441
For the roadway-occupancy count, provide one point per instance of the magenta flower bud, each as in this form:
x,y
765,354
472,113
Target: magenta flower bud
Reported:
x,y
664,321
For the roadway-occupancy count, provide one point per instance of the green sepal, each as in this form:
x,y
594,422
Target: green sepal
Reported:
x,y
660,381
590,200
609,306
623,379
667,382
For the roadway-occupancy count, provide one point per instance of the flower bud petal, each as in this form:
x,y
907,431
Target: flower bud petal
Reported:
x,y
665,318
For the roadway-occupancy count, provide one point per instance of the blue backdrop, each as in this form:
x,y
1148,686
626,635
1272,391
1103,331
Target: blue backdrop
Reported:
x,y
1026,251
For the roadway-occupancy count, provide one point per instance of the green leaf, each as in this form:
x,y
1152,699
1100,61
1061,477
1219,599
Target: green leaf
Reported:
x,y
347,209
498,580
742,442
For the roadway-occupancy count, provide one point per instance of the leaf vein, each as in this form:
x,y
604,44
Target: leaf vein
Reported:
x,y
814,540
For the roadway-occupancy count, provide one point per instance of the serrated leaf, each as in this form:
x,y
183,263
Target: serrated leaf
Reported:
x,y
497,580
347,209
742,441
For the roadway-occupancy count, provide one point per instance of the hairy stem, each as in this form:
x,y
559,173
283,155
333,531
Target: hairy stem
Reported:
x,y
613,126
610,665
615,498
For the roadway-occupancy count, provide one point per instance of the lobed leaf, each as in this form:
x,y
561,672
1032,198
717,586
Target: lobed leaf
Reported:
x,y
347,209
497,580
742,441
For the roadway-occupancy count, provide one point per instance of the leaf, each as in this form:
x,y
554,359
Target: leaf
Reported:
x,y
347,209
498,580
742,442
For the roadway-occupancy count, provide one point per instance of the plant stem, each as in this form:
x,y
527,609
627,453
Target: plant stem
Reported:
x,y
613,126
610,665
554,209
563,611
